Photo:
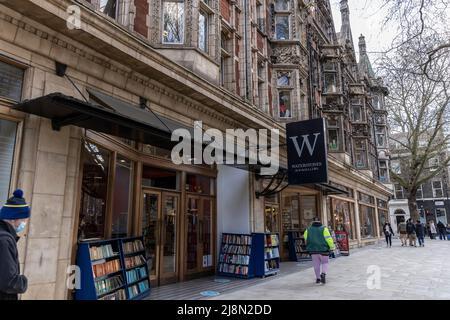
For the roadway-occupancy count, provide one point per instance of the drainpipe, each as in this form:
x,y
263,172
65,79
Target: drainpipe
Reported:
x,y
247,87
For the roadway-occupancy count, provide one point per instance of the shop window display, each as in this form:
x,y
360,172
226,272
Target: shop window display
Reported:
x,y
367,221
199,184
122,199
342,214
95,162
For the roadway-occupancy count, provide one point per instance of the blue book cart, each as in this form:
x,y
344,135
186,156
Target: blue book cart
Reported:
x,y
113,269
249,255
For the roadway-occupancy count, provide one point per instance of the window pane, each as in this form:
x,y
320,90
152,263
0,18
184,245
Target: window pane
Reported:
x,y
7,143
11,80
330,82
94,193
198,184
333,139
202,31
285,104
173,22
123,191
283,80
160,178
367,221
281,5
357,113
108,7
282,27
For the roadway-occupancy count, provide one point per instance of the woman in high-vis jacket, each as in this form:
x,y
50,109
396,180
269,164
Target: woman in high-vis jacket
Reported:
x,y
319,243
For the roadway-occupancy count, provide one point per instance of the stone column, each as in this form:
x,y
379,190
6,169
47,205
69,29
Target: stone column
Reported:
x,y
357,222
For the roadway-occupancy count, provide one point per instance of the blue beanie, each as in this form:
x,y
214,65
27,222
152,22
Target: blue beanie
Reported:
x,y
15,207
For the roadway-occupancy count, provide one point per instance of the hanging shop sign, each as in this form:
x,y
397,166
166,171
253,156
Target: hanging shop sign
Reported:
x,y
307,152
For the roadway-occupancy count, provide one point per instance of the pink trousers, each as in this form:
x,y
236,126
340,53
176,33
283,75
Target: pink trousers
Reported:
x,y
320,261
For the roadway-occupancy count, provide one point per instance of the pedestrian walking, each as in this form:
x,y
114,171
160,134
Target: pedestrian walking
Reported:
x,y
442,231
388,232
432,230
411,231
13,219
402,231
319,243
420,232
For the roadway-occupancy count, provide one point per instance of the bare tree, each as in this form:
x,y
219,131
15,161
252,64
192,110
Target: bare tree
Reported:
x,y
421,19
418,106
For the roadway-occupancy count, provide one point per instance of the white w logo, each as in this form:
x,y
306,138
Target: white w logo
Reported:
x,y
307,142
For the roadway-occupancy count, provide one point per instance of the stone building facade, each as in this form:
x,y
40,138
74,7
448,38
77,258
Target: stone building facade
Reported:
x,y
231,64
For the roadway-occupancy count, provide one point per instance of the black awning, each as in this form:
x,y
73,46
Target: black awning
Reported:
x,y
105,114
328,189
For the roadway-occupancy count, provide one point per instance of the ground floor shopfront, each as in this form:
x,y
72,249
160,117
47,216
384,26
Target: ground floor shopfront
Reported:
x,y
83,184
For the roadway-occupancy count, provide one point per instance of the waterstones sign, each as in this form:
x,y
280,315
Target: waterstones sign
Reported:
x,y
307,152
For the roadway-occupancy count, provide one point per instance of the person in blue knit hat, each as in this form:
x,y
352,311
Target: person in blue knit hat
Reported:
x,y
14,216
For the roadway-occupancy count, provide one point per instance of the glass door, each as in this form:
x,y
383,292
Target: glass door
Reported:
x,y
206,234
192,226
169,238
151,233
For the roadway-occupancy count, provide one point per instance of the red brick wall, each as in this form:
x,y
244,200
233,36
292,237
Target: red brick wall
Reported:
x,y
140,20
225,9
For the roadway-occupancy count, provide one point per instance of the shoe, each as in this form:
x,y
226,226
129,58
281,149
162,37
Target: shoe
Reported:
x,y
323,278
318,281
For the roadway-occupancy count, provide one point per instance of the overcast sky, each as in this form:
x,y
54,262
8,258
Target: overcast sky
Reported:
x,y
366,17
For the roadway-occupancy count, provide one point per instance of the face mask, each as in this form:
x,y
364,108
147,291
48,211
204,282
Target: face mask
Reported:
x,y
21,227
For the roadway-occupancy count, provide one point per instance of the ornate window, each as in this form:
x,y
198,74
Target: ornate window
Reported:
x,y
203,31
361,154
173,21
381,136
282,27
357,110
284,79
384,176
376,102
281,5
334,129
330,83
285,103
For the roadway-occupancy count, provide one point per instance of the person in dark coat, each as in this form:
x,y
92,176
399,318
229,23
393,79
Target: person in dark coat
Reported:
x,y
420,232
14,216
442,231
411,231
388,232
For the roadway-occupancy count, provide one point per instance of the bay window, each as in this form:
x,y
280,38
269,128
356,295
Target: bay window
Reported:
x,y
357,110
282,29
381,136
384,177
330,83
361,154
334,134
173,22
284,103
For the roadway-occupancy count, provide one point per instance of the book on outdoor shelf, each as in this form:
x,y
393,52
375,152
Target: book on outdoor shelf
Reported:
x,y
133,246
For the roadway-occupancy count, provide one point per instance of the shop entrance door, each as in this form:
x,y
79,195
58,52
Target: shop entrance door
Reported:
x,y
199,228
160,222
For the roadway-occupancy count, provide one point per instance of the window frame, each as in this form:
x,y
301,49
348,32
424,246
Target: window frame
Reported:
x,y
206,31
396,191
183,20
289,91
437,189
360,151
283,15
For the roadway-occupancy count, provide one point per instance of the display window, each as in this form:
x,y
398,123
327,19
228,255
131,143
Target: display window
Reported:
x,y
342,213
367,222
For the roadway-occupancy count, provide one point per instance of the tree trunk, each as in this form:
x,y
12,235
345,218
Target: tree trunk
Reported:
x,y
412,205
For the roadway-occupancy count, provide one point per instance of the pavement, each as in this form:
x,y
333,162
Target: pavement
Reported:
x,y
374,273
